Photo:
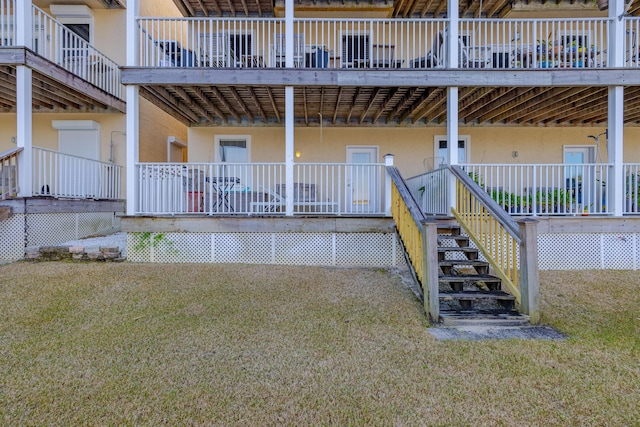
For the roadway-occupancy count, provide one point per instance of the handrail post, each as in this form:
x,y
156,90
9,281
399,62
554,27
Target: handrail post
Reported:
x,y
388,161
430,269
529,278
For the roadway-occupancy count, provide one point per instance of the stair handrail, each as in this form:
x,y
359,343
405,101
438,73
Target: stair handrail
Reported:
x,y
491,205
420,240
9,185
501,240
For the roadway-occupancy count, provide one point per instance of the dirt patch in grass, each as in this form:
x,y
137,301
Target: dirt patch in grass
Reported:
x,y
140,344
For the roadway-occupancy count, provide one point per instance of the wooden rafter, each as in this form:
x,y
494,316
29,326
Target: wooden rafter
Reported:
x,y
337,107
204,100
369,104
204,9
236,96
385,104
353,104
476,109
504,103
274,105
258,105
558,105
426,8
244,7
417,105
304,105
184,6
544,98
184,96
170,101
232,7
222,100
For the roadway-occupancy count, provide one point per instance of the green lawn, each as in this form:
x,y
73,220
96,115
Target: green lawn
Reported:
x,y
148,345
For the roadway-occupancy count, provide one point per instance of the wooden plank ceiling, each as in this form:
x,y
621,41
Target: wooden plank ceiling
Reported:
x,y
389,106
401,8
49,95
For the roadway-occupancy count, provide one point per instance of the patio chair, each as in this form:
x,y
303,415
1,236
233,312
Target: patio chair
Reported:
x,y
437,56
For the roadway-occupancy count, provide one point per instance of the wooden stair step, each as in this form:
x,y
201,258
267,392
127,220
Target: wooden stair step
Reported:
x,y
5,213
470,278
507,318
482,267
453,230
475,295
460,240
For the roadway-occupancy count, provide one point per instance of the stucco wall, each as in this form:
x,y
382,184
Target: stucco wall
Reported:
x,y
155,127
412,146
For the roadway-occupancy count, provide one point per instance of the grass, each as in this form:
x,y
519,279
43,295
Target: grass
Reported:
x,y
137,344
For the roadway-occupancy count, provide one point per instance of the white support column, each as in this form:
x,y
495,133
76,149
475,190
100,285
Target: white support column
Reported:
x,y
452,35
24,100
133,111
615,136
452,96
452,139
24,131
388,161
289,126
289,33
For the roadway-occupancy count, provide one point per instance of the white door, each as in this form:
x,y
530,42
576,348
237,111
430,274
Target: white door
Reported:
x,y
78,176
442,158
581,182
362,180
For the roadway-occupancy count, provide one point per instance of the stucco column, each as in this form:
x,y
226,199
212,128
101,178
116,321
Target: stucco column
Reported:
x,y
24,100
133,111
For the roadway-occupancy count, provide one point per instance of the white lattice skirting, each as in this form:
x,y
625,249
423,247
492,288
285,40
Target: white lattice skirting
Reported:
x,y
326,249
42,229
588,251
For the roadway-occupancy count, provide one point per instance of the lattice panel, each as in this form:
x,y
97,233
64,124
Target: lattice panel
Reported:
x,y
360,249
619,251
400,260
252,248
561,251
50,228
181,247
137,250
304,249
93,223
12,237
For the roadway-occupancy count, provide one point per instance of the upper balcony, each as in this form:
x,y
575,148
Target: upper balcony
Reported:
x,y
418,44
79,67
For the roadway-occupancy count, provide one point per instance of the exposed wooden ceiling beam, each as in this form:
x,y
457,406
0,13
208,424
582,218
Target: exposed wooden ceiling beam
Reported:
x,y
571,110
167,99
474,109
258,105
184,96
204,9
385,104
507,102
398,8
439,107
353,105
204,100
184,6
337,106
244,7
304,105
557,105
546,96
222,100
259,6
369,104
417,106
426,8
403,102
439,9
236,96
231,7
273,104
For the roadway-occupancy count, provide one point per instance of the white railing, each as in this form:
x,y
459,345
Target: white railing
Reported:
x,y
9,186
551,189
7,23
533,43
632,188
431,191
380,43
58,44
63,175
259,188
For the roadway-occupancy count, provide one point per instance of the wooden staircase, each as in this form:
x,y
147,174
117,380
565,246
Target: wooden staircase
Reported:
x,y
468,293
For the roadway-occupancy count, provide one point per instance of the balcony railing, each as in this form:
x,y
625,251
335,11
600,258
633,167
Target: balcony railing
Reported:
x,y
632,189
63,175
381,43
58,44
259,188
9,185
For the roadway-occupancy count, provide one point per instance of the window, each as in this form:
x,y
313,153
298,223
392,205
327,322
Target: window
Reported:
x,y
355,50
78,20
440,150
